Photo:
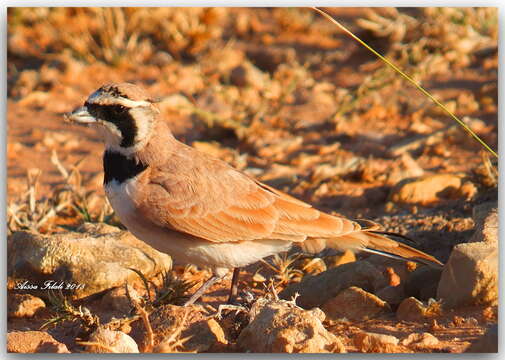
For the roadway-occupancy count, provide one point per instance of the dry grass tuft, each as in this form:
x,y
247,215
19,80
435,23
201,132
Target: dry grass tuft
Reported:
x,y
65,310
68,205
116,36
284,269
167,289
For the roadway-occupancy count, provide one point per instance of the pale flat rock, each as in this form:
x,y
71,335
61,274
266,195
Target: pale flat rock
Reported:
x,y
82,263
411,309
376,343
117,299
282,327
336,260
420,340
110,341
316,290
23,305
427,190
354,304
33,342
470,276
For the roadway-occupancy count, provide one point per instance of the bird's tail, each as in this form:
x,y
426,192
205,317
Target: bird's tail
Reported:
x,y
372,241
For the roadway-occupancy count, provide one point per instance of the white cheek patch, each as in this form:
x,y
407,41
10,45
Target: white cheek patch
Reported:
x,y
143,123
110,133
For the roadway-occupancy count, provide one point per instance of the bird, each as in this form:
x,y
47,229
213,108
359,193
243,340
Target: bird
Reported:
x,y
198,208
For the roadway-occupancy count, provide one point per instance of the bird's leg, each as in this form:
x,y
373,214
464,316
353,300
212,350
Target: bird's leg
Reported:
x,y
233,295
198,294
234,286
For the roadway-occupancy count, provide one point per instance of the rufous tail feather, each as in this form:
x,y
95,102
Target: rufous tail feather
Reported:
x,y
371,242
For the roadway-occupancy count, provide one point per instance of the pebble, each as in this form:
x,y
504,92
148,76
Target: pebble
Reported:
x,y
411,309
23,305
420,340
470,276
374,342
426,190
282,327
33,342
354,304
109,341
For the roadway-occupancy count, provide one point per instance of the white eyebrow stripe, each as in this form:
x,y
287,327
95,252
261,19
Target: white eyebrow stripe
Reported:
x,y
110,100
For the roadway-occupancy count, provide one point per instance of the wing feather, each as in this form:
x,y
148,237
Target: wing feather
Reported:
x,y
207,198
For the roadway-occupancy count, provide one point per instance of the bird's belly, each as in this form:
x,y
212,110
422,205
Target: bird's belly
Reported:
x,y
185,248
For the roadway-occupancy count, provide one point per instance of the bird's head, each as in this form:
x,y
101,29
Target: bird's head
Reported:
x,y
123,114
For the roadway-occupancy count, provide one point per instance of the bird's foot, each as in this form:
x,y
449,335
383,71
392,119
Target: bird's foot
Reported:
x,y
237,308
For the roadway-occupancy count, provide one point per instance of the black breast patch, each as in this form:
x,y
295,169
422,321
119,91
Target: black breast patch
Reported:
x,y
119,167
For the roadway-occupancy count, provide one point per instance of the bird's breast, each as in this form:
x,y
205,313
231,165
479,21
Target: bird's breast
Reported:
x,y
120,168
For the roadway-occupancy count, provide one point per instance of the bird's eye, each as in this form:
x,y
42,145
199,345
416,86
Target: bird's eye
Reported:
x,y
120,109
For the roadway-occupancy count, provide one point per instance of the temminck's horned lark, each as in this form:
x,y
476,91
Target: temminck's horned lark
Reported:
x,y
198,208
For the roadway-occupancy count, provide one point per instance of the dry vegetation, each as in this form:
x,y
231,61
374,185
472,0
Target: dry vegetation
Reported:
x,y
279,93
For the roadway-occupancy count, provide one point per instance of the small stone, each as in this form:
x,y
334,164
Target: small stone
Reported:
x,y
23,305
411,309
347,257
486,223
487,343
205,335
162,58
397,269
316,290
470,276
420,340
468,190
109,341
222,60
257,277
117,299
33,342
313,266
354,304
426,190
247,74
376,343
394,278
422,283
282,327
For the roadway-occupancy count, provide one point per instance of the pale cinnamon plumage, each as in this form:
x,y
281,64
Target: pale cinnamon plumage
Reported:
x,y
198,208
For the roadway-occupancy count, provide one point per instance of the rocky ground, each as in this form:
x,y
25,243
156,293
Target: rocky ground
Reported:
x,y
285,96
